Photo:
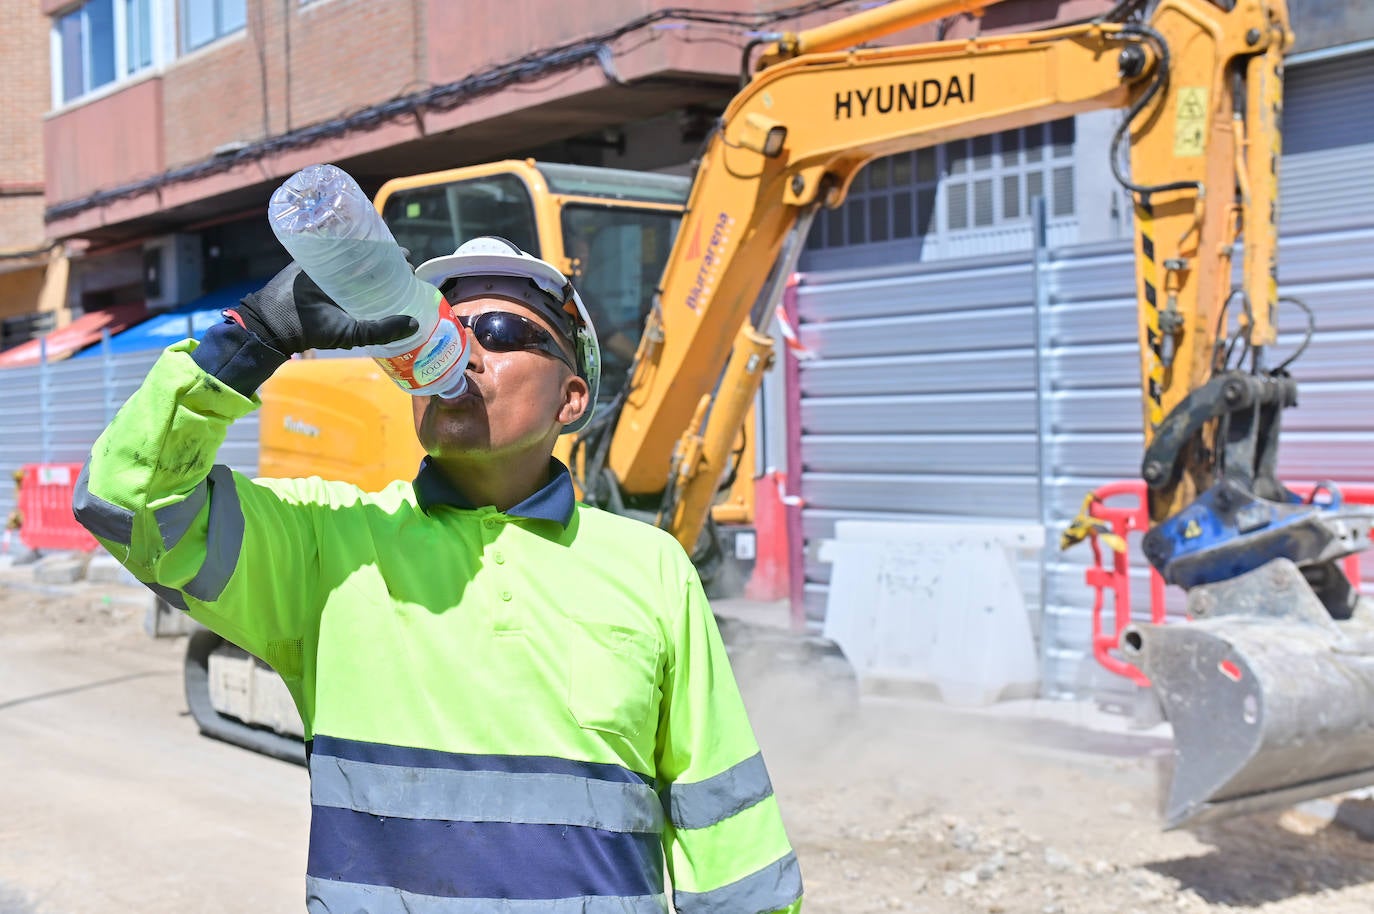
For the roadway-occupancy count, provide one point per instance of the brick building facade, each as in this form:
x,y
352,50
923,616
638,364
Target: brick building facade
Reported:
x,y
179,145
32,274
171,121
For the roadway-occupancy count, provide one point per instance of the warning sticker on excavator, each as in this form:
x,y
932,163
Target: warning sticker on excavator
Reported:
x,y
1190,122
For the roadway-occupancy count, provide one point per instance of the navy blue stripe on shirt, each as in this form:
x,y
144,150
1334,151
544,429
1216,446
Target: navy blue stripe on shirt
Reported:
x,y
407,756
481,859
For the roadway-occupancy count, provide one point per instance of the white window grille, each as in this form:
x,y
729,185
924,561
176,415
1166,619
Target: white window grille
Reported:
x,y
982,185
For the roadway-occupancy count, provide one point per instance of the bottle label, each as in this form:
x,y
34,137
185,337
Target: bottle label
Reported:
x,y
432,359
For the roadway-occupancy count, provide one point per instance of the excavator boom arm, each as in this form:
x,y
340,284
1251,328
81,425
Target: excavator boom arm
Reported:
x,y
804,126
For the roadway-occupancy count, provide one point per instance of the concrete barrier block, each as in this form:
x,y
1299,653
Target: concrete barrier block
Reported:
x,y
105,569
163,620
60,568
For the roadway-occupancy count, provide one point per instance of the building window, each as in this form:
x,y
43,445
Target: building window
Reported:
x,y
961,187
203,21
138,34
101,42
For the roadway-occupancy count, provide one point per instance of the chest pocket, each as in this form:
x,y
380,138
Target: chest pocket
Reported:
x,y
613,678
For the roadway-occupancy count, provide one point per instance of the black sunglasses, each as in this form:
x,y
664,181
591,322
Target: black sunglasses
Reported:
x,y
501,331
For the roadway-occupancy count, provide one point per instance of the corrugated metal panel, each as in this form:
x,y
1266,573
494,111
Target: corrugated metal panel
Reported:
x,y
81,397
962,455
1328,123
910,289
944,412
973,372
921,404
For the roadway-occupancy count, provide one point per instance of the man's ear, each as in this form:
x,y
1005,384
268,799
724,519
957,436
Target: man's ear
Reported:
x,y
576,400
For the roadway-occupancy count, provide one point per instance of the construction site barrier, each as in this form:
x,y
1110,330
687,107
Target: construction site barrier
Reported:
x,y
772,564
1134,517
46,520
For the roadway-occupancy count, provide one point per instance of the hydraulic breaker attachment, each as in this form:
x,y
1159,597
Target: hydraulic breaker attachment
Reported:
x,y
1271,699
1230,530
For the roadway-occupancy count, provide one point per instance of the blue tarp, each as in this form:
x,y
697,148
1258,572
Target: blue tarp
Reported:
x,y
168,327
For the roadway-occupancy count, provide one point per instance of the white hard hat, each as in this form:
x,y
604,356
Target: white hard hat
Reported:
x,y
539,285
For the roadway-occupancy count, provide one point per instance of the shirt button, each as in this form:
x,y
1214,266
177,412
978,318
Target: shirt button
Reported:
x,y
498,558
489,522
505,595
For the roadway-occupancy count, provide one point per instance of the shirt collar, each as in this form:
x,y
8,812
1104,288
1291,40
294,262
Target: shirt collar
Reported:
x,y
555,501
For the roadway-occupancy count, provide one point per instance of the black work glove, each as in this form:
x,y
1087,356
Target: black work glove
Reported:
x,y
292,314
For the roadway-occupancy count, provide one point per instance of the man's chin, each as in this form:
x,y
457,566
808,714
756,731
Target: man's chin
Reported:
x,y
447,430
452,450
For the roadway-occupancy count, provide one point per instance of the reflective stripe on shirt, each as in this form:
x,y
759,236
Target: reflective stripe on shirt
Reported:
x,y
175,519
483,796
223,537
383,754
716,799
452,825
324,897
772,888
107,521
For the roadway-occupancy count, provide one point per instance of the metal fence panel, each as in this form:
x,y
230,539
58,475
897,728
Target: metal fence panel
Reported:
x,y
921,404
1328,130
934,415
53,413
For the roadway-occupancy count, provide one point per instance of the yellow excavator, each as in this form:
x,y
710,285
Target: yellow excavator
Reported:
x,y
1270,688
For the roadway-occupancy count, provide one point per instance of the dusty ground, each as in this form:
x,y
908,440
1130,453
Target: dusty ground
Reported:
x,y
111,801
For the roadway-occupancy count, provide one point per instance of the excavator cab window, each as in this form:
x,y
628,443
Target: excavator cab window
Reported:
x,y
433,221
615,183
617,256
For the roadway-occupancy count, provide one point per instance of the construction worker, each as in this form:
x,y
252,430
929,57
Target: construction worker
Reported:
x,y
513,702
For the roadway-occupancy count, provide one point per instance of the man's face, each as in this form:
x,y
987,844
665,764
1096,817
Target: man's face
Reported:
x,y
515,401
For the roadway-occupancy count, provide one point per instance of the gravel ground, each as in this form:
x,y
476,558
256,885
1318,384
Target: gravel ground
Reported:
x,y
894,805
909,806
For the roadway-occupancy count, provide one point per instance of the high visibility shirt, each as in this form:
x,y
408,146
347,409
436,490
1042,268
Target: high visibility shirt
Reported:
x,y
532,705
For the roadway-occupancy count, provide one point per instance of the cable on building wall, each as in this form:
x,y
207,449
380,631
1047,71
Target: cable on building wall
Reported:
x,y
44,250
528,68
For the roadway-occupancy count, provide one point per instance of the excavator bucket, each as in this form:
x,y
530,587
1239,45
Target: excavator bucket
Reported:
x,y
1271,699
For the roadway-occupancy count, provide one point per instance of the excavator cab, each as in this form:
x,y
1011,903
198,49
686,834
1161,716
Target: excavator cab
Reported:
x,y
609,230
612,231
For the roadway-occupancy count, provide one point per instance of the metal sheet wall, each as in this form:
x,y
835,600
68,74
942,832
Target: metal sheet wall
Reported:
x,y
1328,144
923,402
53,413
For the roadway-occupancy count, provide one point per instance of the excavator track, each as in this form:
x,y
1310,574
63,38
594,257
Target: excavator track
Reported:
x,y
209,656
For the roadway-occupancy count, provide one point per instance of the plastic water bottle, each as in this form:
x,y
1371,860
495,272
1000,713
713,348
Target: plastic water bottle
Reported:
x,y
325,221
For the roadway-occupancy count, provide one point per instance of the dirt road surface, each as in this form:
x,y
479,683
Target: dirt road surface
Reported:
x,y
112,803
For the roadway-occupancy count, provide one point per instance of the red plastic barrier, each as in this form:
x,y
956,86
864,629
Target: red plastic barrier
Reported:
x,y
1124,521
1117,580
45,508
772,563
